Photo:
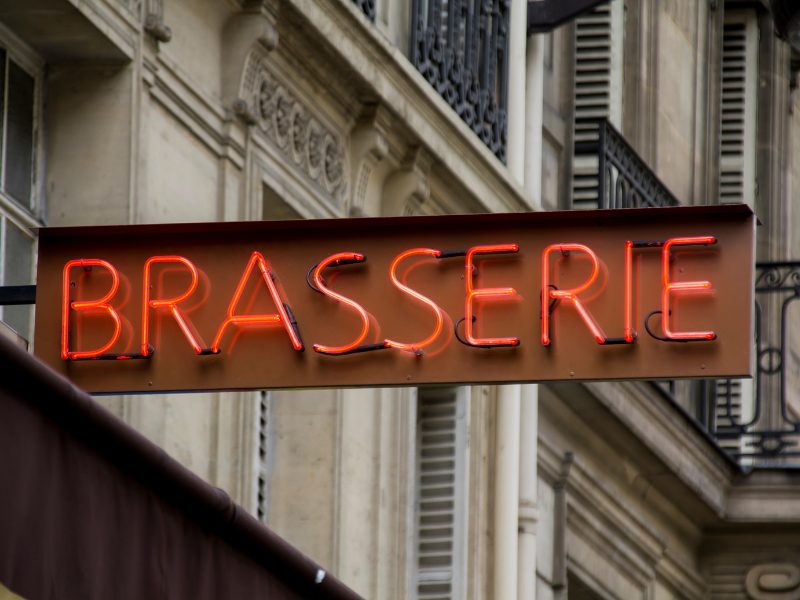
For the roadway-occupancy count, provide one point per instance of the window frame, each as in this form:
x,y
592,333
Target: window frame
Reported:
x,y
26,218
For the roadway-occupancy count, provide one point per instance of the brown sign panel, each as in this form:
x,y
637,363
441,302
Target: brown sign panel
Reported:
x,y
399,301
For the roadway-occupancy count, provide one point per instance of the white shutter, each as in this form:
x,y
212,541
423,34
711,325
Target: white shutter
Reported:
x,y
738,108
598,89
441,493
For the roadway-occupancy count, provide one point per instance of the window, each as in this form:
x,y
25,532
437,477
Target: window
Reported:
x,y
20,207
441,517
738,108
598,92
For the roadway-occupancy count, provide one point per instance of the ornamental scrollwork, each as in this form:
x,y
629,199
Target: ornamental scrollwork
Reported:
x,y
778,277
626,181
294,129
461,48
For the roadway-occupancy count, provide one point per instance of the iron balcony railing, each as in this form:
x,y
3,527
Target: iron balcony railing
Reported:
x,y
757,421
461,47
624,180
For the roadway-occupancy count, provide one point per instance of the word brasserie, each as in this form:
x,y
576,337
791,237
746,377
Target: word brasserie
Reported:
x,y
485,298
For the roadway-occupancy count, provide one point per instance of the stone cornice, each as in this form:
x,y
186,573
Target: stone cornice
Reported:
x,y
765,496
615,529
664,431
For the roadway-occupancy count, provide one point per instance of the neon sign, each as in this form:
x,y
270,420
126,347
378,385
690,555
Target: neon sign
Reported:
x,y
550,296
171,304
282,317
529,301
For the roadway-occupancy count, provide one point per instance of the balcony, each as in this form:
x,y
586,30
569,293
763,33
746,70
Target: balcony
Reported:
x,y
757,423
461,48
621,178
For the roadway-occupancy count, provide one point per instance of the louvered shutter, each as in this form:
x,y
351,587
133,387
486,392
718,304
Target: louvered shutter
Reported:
x,y
734,405
738,108
441,493
598,91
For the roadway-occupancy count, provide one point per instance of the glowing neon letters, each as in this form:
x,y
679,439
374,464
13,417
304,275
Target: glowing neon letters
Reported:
x,y
336,260
102,304
416,346
485,295
171,304
684,287
549,292
281,318
175,269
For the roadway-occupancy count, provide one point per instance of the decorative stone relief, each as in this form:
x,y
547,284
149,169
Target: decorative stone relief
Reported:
x,y
368,148
407,188
154,21
773,581
294,129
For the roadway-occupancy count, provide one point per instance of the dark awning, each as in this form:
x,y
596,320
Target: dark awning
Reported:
x,y
91,509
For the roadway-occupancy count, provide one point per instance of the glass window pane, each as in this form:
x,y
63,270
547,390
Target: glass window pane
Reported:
x,y
19,136
18,271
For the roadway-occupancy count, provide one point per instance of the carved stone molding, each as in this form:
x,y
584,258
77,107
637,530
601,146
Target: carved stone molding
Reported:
x,y
154,21
773,581
132,6
368,148
293,128
407,188
247,38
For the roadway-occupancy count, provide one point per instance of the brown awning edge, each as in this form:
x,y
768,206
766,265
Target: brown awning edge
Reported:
x,y
89,508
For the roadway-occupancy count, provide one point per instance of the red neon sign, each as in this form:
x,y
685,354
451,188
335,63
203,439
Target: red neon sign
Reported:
x,y
414,347
171,303
684,288
101,304
570,295
342,258
282,317
485,295
630,333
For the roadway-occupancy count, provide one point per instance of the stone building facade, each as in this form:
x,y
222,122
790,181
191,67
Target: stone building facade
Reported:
x,y
158,111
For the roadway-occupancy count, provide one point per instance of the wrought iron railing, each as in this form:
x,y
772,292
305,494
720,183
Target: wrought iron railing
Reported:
x,y
757,424
461,47
624,180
